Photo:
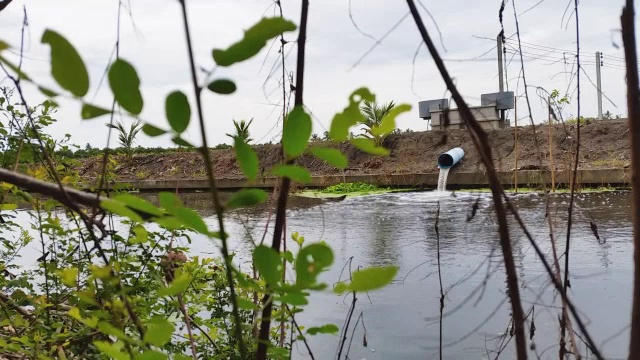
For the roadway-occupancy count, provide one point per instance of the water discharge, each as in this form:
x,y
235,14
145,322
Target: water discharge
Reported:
x,y
442,179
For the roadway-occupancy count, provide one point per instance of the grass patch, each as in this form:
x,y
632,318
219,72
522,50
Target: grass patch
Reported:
x,y
346,188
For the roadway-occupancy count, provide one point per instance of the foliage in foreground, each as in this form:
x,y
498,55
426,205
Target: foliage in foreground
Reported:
x,y
116,279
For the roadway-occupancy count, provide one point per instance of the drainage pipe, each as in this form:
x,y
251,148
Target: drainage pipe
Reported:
x,y
450,158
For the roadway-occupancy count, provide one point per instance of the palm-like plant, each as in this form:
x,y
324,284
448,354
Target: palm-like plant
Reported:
x,y
374,113
242,131
127,137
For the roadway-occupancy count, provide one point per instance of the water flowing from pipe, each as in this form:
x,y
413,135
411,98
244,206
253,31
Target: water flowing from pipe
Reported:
x,y
442,179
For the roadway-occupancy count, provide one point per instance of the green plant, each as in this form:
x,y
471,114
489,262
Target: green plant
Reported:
x,y
345,188
242,131
114,279
374,114
127,137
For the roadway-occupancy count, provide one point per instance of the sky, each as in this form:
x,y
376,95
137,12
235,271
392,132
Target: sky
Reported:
x,y
340,57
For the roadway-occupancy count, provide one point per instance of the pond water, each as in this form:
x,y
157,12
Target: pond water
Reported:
x,y
402,320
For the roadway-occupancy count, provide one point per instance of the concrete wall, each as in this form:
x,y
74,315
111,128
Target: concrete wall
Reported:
x,y
488,117
526,178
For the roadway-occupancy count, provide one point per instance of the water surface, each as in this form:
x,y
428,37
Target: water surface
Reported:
x,y
402,320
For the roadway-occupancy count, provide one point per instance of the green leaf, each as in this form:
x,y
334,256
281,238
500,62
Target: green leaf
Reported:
x,y
91,111
181,142
293,172
101,272
152,130
3,45
247,197
169,200
191,219
324,329
369,146
311,261
113,351
111,330
47,92
268,263
14,68
67,66
372,278
125,85
178,111
118,208
332,156
178,286
296,133
255,38
159,331
92,322
222,86
247,158
151,355
138,203
389,121
350,116
141,235
7,207
69,276
246,304
294,298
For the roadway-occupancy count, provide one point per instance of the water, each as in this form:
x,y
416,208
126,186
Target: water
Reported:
x,y
403,319
442,179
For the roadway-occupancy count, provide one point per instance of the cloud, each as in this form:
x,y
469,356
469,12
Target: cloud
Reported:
x,y
152,38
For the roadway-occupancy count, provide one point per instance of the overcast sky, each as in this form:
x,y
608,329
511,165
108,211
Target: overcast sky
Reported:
x,y
152,38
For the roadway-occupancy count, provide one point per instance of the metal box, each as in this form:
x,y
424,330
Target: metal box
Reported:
x,y
426,107
502,100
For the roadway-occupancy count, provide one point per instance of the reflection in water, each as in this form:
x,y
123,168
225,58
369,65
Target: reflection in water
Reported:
x,y
402,319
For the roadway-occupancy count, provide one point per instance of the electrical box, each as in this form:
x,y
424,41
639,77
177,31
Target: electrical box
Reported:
x,y
502,100
426,107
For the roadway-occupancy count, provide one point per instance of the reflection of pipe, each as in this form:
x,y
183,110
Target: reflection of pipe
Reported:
x,y
450,158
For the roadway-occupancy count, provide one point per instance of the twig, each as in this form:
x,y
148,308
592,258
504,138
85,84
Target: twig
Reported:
x,y
480,140
633,103
439,275
281,210
304,339
4,4
567,283
212,185
557,284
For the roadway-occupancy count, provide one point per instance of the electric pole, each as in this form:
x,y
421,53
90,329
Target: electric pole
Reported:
x,y
500,70
599,83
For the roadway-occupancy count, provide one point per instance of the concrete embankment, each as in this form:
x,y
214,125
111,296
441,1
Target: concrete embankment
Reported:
x,y
457,180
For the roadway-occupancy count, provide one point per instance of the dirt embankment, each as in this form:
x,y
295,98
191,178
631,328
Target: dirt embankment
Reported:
x,y
604,144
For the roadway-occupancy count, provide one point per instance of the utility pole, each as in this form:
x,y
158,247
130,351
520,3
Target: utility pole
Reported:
x,y
599,83
500,71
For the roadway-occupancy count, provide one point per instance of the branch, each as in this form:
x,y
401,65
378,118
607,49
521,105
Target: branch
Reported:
x,y
212,185
281,212
4,4
567,283
74,198
481,142
633,104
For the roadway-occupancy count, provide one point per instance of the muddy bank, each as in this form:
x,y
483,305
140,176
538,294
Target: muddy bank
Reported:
x,y
604,145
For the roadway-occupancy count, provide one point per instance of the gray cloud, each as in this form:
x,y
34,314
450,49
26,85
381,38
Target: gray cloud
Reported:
x,y
156,46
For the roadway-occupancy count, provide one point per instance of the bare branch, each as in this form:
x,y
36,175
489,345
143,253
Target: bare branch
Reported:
x,y
481,142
